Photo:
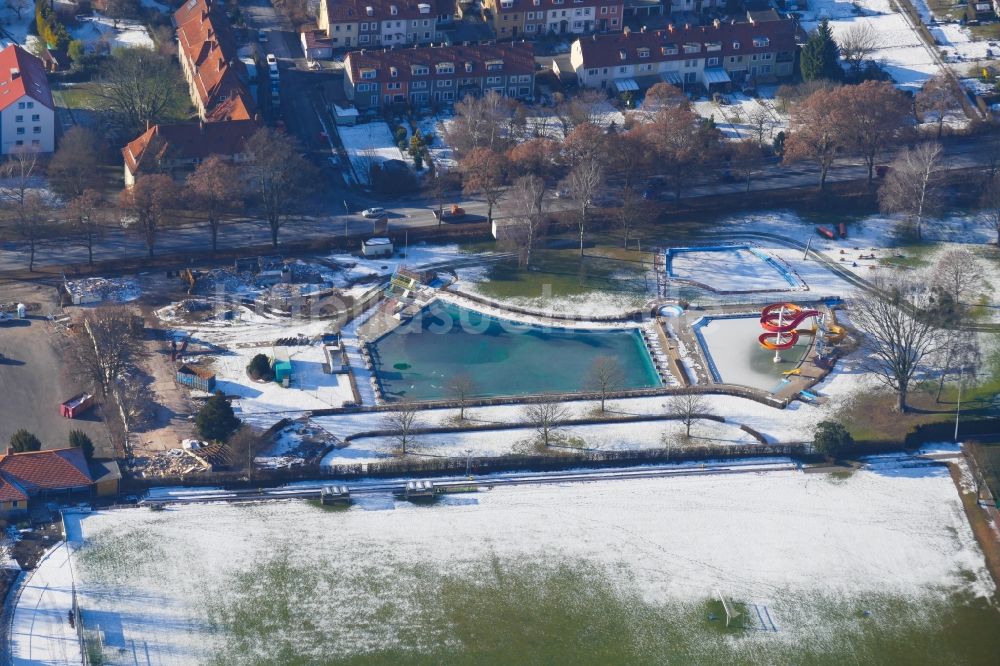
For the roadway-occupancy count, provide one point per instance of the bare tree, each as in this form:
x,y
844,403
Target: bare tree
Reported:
x,y
461,387
484,171
660,96
76,166
747,156
17,172
688,407
279,175
760,124
147,202
989,204
87,218
403,420
527,203
19,6
31,222
814,133
491,121
546,418
583,183
585,107
939,96
858,43
959,351
605,376
119,10
136,400
634,212
139,87
244,445
109,345
912,187
217,191
958,274
870,117
901,336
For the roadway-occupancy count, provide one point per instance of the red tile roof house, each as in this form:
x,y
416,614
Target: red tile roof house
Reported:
x,y
437,74
206,49
179,149
536,18
27,114
41,475
375,23
716,56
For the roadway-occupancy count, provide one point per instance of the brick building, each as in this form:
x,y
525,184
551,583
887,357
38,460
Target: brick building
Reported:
x,y
717,56
377,23
533,18
441,75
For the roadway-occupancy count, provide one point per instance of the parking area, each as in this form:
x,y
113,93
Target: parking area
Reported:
x,y
36,377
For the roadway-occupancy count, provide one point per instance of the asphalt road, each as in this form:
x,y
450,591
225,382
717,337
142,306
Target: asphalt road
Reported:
x,y
405,214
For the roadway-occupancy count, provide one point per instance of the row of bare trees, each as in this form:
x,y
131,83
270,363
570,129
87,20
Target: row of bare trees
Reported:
x,y
274,178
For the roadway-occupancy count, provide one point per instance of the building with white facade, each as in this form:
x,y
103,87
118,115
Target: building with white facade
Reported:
x,y
27,114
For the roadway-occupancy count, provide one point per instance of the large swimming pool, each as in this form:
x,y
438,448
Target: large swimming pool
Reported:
x,y
416,361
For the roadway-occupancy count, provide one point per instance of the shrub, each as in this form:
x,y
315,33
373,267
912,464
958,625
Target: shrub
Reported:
x,y
22,441
260,368
832,439
79,439
215,420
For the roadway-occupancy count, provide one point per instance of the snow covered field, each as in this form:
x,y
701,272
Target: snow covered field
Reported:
x,y
736,269
197,583
733,118
368,144
99,29
606,437
900,51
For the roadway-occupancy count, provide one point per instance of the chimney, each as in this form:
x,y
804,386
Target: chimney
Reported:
x,y
626,31
670,27
717,23
10,451
14,73
643,30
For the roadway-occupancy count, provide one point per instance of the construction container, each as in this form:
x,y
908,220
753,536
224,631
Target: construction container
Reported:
x,y
195,377
76,405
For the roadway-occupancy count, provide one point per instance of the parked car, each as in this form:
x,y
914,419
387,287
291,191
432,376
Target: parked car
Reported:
x,y
454,214
271,60
262,36
373,212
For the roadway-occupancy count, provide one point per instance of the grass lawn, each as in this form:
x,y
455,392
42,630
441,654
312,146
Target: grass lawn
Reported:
x,y
85,96
562,273
985,31
988,459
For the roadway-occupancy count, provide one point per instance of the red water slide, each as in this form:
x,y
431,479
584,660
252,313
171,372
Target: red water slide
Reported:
x,y
781,320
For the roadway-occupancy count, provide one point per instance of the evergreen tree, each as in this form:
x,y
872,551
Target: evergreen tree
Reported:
x,y
832,439
22,441
820,57
216,420
80,439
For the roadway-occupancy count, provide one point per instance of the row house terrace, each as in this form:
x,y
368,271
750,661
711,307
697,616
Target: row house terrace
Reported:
x,y
438,75
535,18
217,79
717,56
377,23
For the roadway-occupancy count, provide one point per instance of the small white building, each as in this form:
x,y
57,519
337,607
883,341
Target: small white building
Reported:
x,y
27,114
377,247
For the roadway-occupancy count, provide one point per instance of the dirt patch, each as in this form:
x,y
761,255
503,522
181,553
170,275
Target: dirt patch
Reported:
x,y
984,525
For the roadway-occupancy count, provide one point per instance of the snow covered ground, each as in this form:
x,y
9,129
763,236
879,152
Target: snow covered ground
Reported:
x,y
900,51
368,144
737,269
955,39
98,29
310,387
733,118
158,582
40,633
606,437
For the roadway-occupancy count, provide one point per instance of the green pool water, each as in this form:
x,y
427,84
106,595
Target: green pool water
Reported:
x,y
416,361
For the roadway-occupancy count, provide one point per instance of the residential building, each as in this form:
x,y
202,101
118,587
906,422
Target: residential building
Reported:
x,y
438,74
316,45
378,23
716,56
217,79
640,9
178,149
42,475
531,18
27,114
